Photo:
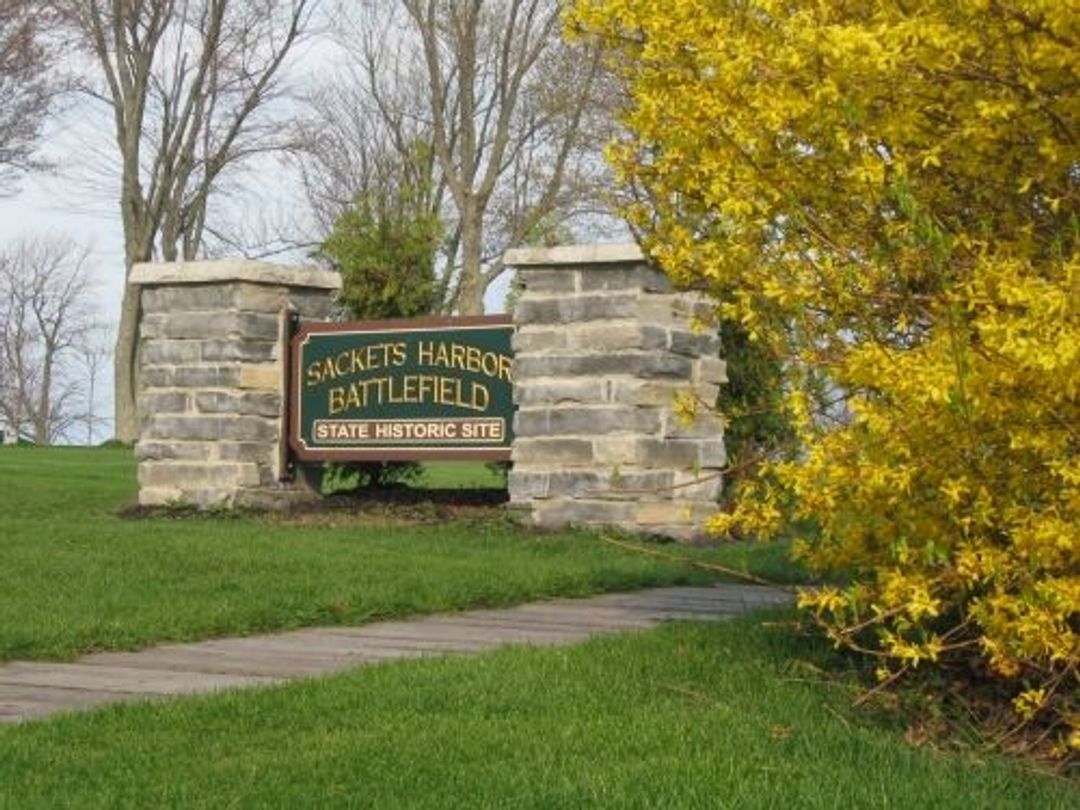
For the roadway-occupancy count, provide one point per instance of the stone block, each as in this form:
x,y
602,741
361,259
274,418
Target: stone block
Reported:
x,y
641,277
211,428
152,325
227,272
256,403
160,496
552,451
609,484
704,486
712,454
217,324
182,325
651,513
156,401
639,363
248,297
173,451
257,452
587,421
563,512
214,351
524,485
658,310
666,365
578,484
262,376
616,449
614,336
538,339
705,425
646,393
570,309
255,326
694,344
188,476
318,305
691,307
170,352
206,376
186,298
676,454
189,376
210,497
710,370
549,280
555,391
706,392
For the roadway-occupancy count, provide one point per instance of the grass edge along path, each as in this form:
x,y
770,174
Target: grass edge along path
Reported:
x,y
75,577
688,715
30,690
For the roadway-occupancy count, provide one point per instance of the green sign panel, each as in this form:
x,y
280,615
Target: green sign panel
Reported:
x,y
432,388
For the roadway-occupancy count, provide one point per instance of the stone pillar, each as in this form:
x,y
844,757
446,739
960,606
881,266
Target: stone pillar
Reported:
x,y
211,378
603,346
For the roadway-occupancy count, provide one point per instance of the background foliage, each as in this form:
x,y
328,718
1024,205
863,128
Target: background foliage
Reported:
x,y
385,246
886,194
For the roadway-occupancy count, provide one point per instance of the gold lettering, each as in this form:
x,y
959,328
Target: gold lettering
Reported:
x,y
494,370
380,386
445,395
398,351
427,385
337,400
504,367
457,352
372,354
474,359
339,361
355,398
425,353
481,398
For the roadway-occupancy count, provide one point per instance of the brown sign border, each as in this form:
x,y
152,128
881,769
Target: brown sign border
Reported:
x,y
303,453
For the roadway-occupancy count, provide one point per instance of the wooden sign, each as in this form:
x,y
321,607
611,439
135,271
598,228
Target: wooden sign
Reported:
x,y
402,390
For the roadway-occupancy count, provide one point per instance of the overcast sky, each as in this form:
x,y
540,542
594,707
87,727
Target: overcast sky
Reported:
x,y
78,198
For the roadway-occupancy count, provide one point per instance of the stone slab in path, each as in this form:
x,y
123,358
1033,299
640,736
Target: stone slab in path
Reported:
x,y
34,689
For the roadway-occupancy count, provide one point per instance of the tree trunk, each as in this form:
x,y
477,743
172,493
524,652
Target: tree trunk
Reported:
x,y
470,296
44,406
126,427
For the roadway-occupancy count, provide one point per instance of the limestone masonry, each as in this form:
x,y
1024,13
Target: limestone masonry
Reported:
x,y
210,379
603,346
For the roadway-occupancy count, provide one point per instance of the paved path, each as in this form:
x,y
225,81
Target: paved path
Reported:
x,y
31,689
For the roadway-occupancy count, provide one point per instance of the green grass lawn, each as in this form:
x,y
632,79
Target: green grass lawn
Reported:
x,y
734,715
687,716
74,576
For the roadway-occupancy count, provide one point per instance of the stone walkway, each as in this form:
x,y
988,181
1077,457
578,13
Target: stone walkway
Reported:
x,y
32,689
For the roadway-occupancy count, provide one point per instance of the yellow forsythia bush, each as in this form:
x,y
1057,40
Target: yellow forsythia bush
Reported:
x,y
885,194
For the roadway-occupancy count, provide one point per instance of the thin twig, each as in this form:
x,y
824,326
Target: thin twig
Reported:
x,y
881,687
717,567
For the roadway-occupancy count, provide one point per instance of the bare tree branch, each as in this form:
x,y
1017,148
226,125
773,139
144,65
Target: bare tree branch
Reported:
x,y
191,86
45,318
28,87
506,108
